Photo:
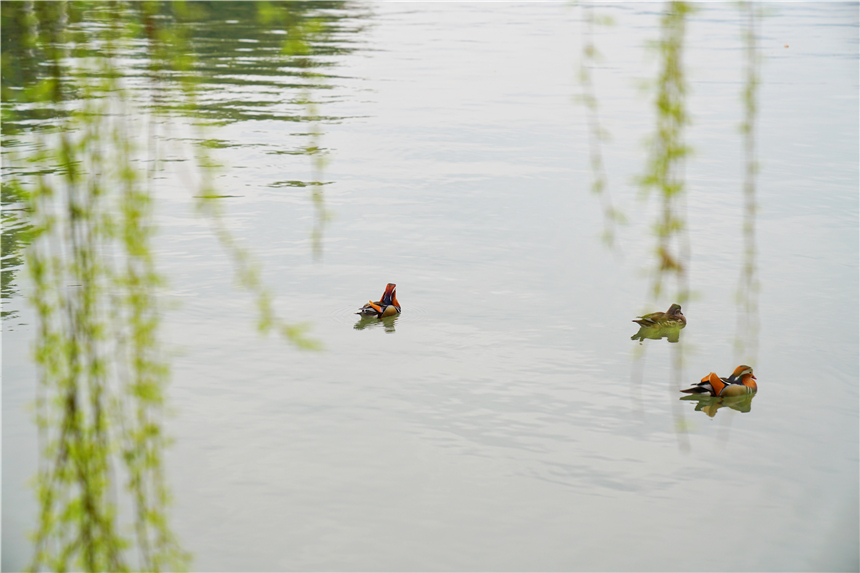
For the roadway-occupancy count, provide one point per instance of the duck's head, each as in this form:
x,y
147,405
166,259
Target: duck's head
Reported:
x,y
741,371
744,375
390,295
675,310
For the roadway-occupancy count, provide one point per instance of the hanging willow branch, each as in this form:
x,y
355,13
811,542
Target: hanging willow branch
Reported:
x,y
596,133
102,375
746,338
664,176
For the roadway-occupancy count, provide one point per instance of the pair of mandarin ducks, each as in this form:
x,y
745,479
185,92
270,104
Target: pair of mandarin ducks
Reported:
x,y
740,383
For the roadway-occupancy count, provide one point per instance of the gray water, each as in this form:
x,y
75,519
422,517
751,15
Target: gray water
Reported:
x,y
498,423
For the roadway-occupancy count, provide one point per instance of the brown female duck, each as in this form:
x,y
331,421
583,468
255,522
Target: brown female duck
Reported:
x,y
672,317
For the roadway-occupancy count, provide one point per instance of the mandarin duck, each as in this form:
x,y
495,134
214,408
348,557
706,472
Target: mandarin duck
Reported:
x,y
739,383
673,316
386,306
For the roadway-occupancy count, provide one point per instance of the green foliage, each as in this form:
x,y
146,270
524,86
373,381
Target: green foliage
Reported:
x,y
102,376
302,34
664,171
612,216
87,216
247,275
664,176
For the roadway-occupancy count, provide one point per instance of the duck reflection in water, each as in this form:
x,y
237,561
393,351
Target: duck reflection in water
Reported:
x,y
671,333
371,322
657,325
710,404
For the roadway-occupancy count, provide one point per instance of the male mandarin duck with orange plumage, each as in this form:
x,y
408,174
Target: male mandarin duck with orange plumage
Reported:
x,y
739,383
384,307
671,317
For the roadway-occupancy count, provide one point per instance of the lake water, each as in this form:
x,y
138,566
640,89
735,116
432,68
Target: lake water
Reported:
x,y
499,423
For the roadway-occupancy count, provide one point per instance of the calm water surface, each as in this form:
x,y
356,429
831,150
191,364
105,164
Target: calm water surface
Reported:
x,y
494,424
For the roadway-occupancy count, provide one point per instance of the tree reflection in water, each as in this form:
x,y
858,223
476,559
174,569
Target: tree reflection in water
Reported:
x,y
664,175
72,144
746,338
590,56
102,373
747,329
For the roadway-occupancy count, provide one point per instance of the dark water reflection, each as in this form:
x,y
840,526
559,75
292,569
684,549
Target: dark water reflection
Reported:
x,y
235,55
259,61
15,227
